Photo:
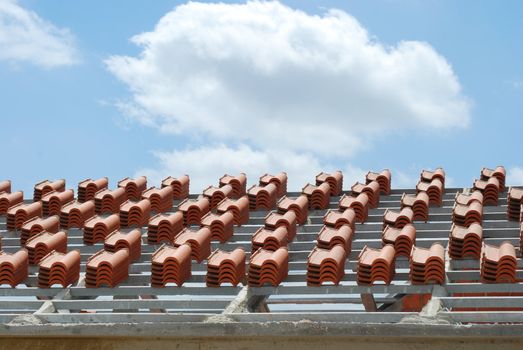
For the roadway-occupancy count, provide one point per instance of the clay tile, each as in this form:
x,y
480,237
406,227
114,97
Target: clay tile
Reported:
x,y
45,242
221,225
359,204
109,201
319,196
88,188
5,186
225,267
328,237
75,214
46,186
465,241
401,238
270,239
14,268
53,201
419,203
238,184
179,185
287,220
134,187
20,213
239,208
135,213
326,265
59,268
36,225
161,199
171,265
499,173
200,242
465,215
427,265
428,175
164,227
132,241
376,265
194,209
216,194
466,199
8,200
300,206
498,263
107,268
262,197
268,267
383,178
490,189
398,219
372,189
335,181
336,219
434,190
98,227
514,200
279,180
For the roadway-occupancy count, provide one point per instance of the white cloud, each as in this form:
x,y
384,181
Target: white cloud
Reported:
x,y
25,37
265,74
515,176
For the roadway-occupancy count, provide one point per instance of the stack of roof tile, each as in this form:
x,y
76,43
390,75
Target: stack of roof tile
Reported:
x,y
87,189
434,190
98,227
372,189
419,203
269,239
221,225
427,265
20,213
262,197
199,240
398,219
161,199
133,187
171,265
498,173
238,184
179,185
376,265
490,189
402,239
465,241
514,199
268,267
5,186
14,268
326,265
428,175
466,199
299,205
36,225
279,180
194,209
359,204
287,220
109,201
383,178
238,207
328,237
43,243
217,194
335,181
59,268
225,267
135,213
53,201
521,238
465,215
75,214
132,241
338,218
164,227
107,268
46,186
8,200
498,263
318,196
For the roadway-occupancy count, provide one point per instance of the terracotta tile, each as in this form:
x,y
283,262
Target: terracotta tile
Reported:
x,y
318,196
490,189
326,265
434,189
428,175
465,215
239,208
5,186
220,225
87,188
499,173
328,237
299,205
133,187
372,190
398,219
427,265
161,199
419,203
270,239
107,269
46,186
179,185
8,200
194,209
262,197
376,265
109,201
359,204
287,220
14,268
75,214
59,268
53,201
36,225
164,227
43,243
132,241
171,265
226,267
383,178
135,213
237,183
98,227
200,242
20,213
467,199
279,180
266,267
514,200
217,194
338,218
465,241
335,181
498,263
402,239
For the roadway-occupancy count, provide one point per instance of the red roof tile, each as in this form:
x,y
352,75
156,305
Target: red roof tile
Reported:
x,y
498,263
465,241
107,268
14,268
46,186
319,196
164,227
376,265
132,241
262,197
220,225
171,265
266,267
8,200
328,237
20,213
109,201
401,238
279,180
75,214
514,199
466,199
490,189
383,178
359,204
217,194
226,267
427,265
239,208
161,199
419,203
270,239
326,265
238,184
53,201
335,181
288,220
194,209
499,173
179,185
88,188
135,213
435,190
428,175
398,219
36,225
299,205
199,240
43,243
59,268
372,189
5,186
98,227
465,215
337,218
133,187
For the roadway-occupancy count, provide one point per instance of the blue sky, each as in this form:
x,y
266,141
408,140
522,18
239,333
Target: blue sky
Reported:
x,y
67,120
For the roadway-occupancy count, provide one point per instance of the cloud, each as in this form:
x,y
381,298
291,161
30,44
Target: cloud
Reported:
x,y
26,37
265,74
515,176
